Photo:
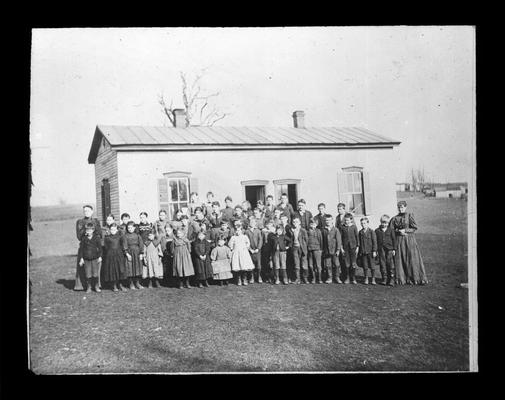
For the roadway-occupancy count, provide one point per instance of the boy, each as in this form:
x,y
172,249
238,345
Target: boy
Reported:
x,y
321,216
125,218
239,217
207,211
298,236
80,230
227,212
315,251
285,207
269,207
276,217
303,214
90,256
279,245
350,247
386,244
332,245
194,224
193,204
216,215
222,232
340,215
260,206
258,216
246,209
367,249
266,251
256,242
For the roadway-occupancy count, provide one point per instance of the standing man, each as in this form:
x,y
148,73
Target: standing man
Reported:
x,y
303,214
80,230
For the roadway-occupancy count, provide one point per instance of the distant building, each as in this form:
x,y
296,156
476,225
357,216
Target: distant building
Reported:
x,y
403,187
450,190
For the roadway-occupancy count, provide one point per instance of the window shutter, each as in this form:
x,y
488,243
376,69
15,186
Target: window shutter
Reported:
x,y
163,196
341,186
367,194
106,194
193,186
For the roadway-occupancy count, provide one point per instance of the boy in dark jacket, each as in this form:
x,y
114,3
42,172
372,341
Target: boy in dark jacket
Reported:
x,y
367,249
298,237
279,245
266,251
386,244
332,244
315,251
350,247
90,255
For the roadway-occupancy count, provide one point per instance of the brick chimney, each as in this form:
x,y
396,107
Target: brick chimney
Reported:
x,y
299,119
180,118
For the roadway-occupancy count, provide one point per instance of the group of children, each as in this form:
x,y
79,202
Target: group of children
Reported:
x,y
272,243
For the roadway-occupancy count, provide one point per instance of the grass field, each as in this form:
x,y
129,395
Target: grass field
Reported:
x,y
258,327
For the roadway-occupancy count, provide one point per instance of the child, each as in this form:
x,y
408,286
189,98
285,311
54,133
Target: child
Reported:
x,y
408,261
332,244
153,267
208,206
285,207
144,227
239,217
223,231
256,242
163,230
80,230
183,266
109,220
185,226
125,218
201,256
321,216
177,221
315,251
269,208
228,210
193,203
134,256
90,256
340,215
367,249
276,217
246,209
279,245
114,264
303,214
216,216
350,247
266,251
258,216
298,237
261,207
241,261
221,257
386,244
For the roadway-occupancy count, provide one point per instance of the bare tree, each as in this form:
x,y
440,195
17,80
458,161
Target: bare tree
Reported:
x,y
197,104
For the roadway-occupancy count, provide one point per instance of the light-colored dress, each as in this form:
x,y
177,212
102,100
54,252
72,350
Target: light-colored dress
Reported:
x,y
153,267
182,264
221,268
240,257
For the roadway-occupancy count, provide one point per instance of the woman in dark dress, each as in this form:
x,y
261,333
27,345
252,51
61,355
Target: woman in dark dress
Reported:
x,y
408,261
114,261
134,254
201,259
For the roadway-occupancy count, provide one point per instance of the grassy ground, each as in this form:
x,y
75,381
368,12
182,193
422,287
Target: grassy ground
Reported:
x,y
258,327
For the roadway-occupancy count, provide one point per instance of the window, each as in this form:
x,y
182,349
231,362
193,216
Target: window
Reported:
x,y
106,203
289,186
354,190
173,191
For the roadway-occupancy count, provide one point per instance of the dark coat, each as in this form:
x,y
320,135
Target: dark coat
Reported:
x,y
283,241
144,229
332,241
287,211
215,219
320,219
216,233
367,241
350,237
302,239
403,221
269,212
385,239
255,238
314,239
80,227
227,213
304,219
90,249
339,222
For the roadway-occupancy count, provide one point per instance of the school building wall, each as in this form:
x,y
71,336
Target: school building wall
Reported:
x,y
449,193
223,171
106,168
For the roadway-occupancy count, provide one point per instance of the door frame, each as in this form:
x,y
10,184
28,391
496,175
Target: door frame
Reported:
x,y
296,182
254,182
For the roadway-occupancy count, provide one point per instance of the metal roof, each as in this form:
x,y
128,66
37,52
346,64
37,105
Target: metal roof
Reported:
x,y
146,137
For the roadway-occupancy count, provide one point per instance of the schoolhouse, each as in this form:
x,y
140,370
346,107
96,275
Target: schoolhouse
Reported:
x,y
146,168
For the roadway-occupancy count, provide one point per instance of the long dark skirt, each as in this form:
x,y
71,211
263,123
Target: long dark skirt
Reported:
x,y
409,264
203,268
114,266
133,267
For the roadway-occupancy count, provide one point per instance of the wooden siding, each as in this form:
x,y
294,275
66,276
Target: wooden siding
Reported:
x,y
106,168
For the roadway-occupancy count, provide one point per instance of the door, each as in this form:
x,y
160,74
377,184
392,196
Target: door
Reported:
x,y
254,193
293,196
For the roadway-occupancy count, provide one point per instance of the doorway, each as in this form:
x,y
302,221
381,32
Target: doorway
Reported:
x,y
253,193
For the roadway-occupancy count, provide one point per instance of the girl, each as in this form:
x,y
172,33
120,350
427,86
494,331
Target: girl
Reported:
x,y
185,226
144,227
164,231
408,261
114,264
181,252
201,256
153,267
241,261
246,209
108,222
177,221
134,255
221,256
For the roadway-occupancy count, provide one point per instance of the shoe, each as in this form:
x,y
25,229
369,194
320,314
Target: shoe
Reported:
x,y
245,283
277,282
365,282
132,286
354,282
251,281
188,286
150,285
122,288
260,280
138,285
339,281
327,281
205,284
97,289
115,289
239,283
88,289
391,283
181,285
304,281
373,281
156,283
297,282
347,281
200,285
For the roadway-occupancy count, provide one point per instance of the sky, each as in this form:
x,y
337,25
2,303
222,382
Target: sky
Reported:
x,y
413,84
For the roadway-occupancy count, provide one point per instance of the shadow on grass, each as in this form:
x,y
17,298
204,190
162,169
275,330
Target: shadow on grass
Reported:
x,y
67,283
